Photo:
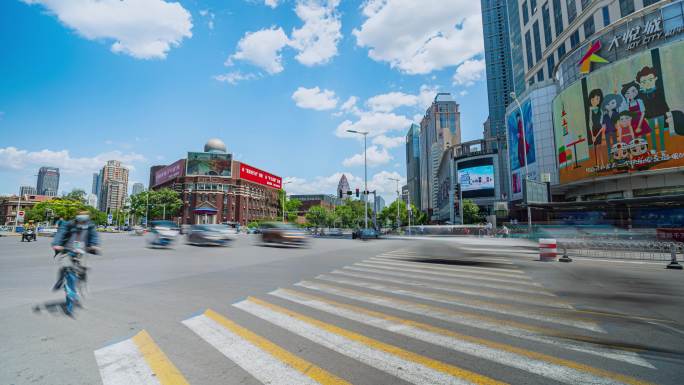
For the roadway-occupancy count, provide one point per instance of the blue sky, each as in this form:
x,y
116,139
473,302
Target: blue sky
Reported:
x,y
278,80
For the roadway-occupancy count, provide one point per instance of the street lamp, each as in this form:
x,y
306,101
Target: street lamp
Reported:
x,y
284,183
365,176
398,201
524,138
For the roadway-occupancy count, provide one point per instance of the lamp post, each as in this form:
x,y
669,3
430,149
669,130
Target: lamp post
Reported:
x,y
524,138
398,201
365,176
284,183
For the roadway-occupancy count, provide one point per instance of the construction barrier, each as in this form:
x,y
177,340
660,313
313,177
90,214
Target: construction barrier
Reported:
x,y
547,249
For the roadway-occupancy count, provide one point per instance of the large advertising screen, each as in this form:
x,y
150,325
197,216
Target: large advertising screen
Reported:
x,y
209,164
521,146
476,178
169,172
626,117
261,177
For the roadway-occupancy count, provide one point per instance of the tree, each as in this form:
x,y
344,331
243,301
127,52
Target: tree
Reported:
x,y
64,208
388,215
162,203
292,209
77,195
471,212
317,216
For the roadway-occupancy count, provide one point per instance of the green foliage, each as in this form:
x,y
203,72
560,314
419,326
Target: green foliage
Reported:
x,y
317,216
388,215
159,201
471,212
77,195
65,208
292,209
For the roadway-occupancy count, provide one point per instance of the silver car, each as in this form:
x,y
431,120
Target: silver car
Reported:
x,y
210,235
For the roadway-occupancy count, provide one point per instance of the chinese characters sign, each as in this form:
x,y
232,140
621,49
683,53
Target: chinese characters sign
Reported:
x,y
255,175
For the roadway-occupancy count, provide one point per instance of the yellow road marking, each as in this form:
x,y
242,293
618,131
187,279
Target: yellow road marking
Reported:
x,y
305,367
161,366
467,375
492,344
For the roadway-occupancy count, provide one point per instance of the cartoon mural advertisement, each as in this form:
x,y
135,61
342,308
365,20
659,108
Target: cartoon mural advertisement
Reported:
x,y
521,148
625,117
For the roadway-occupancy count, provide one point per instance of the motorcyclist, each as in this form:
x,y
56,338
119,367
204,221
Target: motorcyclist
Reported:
x,y
29,232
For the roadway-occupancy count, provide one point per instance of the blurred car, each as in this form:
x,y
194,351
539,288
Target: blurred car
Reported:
x,y
334,232
283,234
47,231
163,233
365,234
211,235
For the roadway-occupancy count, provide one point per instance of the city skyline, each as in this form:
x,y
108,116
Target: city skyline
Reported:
x,y
156,108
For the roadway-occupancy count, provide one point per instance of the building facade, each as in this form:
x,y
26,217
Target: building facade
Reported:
x,y
378,204
343,186
10,204
413,164
27,190
137,188
48,181
114,186
310,200
439,129
215,188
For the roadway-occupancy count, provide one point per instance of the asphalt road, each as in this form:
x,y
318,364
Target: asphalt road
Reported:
x,y
422,311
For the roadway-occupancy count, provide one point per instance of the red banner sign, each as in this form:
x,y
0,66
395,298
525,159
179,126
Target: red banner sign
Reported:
x,y
258,176
167,173
670,234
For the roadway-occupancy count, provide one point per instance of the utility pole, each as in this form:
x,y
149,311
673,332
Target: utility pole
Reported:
x,y
398,201
365,176
288,182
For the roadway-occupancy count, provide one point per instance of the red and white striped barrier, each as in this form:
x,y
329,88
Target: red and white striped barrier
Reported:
x,y
547,249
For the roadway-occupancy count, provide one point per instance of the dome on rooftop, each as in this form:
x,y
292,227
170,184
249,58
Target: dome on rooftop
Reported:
x,y
215,145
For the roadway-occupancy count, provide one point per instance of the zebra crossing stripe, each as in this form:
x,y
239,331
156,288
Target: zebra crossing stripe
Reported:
x,y
508,327
137,361
555,368
264,360
401,363
514,310
470,281
481,272
501,261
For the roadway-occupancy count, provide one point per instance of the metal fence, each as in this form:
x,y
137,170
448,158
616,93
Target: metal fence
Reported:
x,y
623,249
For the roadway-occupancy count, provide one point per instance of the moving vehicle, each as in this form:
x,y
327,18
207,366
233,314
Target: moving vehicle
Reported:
x,y
47,231
283,234
210,235
28,235
365,234
72,276
163,233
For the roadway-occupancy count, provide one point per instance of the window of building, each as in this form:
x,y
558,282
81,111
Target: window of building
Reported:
x,y
537,41
533,6
574,39
540,75
528,49
589,27
546,18
550,63
626,7
572,10
649,2
606,16
585,4
526,13
530,81
561,51
558,16
673,16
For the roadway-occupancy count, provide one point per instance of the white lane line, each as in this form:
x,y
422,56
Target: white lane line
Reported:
x,y
514,310
407,370
461,281
521,298
445,267
469,258
261,365
499,251
508,278
531,333
467,345
123,364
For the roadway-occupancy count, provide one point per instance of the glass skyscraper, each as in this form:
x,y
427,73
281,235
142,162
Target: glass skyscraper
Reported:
x,y
413,163
48,181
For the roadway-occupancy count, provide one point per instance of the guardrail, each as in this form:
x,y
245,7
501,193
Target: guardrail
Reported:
x,y
623,249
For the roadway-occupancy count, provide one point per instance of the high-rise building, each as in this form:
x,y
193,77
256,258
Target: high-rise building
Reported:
x,y
48,181
96,183
27,190
137,188
114,186
343,186
378,204
91,200
440,128
413,163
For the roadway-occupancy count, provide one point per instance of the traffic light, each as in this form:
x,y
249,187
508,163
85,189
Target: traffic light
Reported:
x,y
357,193
457,191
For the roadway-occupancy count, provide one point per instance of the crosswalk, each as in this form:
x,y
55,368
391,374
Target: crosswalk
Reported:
x,y
374,312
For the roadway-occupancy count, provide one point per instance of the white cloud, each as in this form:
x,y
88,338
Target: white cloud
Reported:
x,y
317,39
418,37
210,16
262,48
390,101
144,29
375,123
379,182
375,156
314,98
463,93
469,72
385,186
271,3
12,158
426,96
234,77
389,142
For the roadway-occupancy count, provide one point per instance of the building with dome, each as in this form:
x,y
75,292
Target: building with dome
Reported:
x,y
217,189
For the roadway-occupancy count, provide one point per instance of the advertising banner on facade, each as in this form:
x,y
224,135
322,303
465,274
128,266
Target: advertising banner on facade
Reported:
x,y
255,175
209,164
521,146
169,172
476,178
626,117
